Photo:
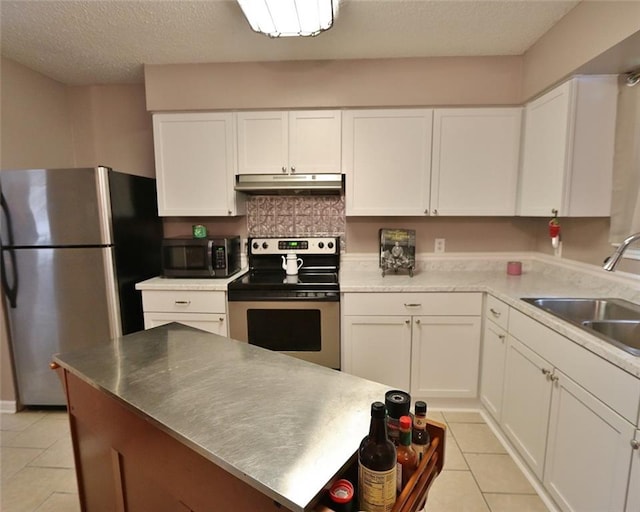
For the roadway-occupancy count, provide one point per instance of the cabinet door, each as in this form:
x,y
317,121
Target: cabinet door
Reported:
x,y
475,161
195,160
210,322
633,495
387,161
378,348
526,401
588,453
494,350
546,136
314,141
445,356
263,142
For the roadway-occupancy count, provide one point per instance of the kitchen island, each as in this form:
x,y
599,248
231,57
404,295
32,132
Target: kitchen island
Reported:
x,y
174,418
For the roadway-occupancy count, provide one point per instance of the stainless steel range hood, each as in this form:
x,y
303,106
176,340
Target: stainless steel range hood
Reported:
x,y
290,184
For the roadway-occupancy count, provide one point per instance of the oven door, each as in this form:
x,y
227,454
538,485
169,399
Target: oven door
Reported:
x,y
309,330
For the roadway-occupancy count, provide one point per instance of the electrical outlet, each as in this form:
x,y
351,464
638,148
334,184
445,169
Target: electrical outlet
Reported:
x,y
439,245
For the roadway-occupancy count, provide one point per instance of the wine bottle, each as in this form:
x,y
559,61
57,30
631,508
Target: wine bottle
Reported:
x,y
377,461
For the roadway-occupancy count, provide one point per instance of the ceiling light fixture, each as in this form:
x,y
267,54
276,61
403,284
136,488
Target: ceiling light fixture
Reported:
x,y
286,18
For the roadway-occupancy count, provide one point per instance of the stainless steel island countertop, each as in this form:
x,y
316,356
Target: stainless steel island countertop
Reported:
x,y
284,426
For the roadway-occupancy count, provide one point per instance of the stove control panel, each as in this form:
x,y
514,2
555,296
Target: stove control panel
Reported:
x,y
310,245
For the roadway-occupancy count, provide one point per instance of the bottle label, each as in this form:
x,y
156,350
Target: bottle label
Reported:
x,y
376,489
419,422
420,449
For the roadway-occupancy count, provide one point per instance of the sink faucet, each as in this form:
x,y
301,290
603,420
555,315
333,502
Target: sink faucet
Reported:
x,y
612,261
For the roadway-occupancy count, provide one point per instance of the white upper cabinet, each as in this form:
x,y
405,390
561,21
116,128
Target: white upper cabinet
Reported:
x,y
387,161
568,149
195,162
475,161
277,142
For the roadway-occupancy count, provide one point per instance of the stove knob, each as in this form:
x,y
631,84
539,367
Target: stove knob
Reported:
x,y
320,245
255,245
265,245
330,245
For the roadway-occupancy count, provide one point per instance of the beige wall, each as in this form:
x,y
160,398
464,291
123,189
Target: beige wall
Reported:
x,y
112,127
35,123
588,30
340,83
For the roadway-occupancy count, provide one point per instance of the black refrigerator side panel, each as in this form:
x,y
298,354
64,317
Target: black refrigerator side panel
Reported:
x,y
137,238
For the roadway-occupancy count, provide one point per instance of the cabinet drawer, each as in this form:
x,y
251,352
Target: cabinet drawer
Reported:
x,y
184,301
497,311
441,304
615,387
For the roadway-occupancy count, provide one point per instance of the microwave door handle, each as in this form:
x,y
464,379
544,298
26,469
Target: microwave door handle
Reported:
x,y
210,257
10,291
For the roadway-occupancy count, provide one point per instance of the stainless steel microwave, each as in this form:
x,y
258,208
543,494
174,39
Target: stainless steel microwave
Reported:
x,y
212,256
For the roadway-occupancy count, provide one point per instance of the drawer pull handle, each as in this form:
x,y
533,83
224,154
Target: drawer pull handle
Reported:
x,y
182,302
495,313
412,305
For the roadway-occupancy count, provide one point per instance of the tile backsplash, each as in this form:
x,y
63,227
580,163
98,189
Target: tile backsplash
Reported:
x,y
296,216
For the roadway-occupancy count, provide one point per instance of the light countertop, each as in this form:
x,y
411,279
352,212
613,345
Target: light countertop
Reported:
x,y
280,424
181,284
542,277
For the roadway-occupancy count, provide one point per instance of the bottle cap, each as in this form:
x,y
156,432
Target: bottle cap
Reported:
x,y
341,491
377,410
421,407
398,403
405,423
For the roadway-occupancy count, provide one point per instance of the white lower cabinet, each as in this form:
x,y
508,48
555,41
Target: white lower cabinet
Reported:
x,y
201,309
571,417
494,352
525,408
444,356
633,496
379,349
589,451
425,343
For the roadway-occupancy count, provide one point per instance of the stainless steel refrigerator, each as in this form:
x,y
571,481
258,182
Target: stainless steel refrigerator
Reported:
x,y
74,243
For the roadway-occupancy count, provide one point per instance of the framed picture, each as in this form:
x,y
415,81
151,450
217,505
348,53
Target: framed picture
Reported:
x,y
397,249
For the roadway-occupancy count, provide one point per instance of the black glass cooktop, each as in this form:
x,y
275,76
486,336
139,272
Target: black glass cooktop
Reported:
x,y
279,280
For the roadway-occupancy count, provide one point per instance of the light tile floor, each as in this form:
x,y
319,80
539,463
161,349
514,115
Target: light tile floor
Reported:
x,y
37,470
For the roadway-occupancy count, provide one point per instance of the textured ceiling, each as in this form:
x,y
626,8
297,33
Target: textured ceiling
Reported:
x,y
108,41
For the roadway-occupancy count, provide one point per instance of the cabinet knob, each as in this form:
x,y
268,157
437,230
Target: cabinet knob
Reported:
x,y
554,378
635,444
417,321
554,212
426,212
546,372
501,337
229,212
221,319
293,170
495,313
53,365
435,211
284,169
407,322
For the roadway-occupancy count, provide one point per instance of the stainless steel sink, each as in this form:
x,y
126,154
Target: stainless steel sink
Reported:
x,y
616,321
625,333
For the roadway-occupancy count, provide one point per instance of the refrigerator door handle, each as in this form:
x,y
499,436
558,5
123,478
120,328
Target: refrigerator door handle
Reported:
x,y
10,291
